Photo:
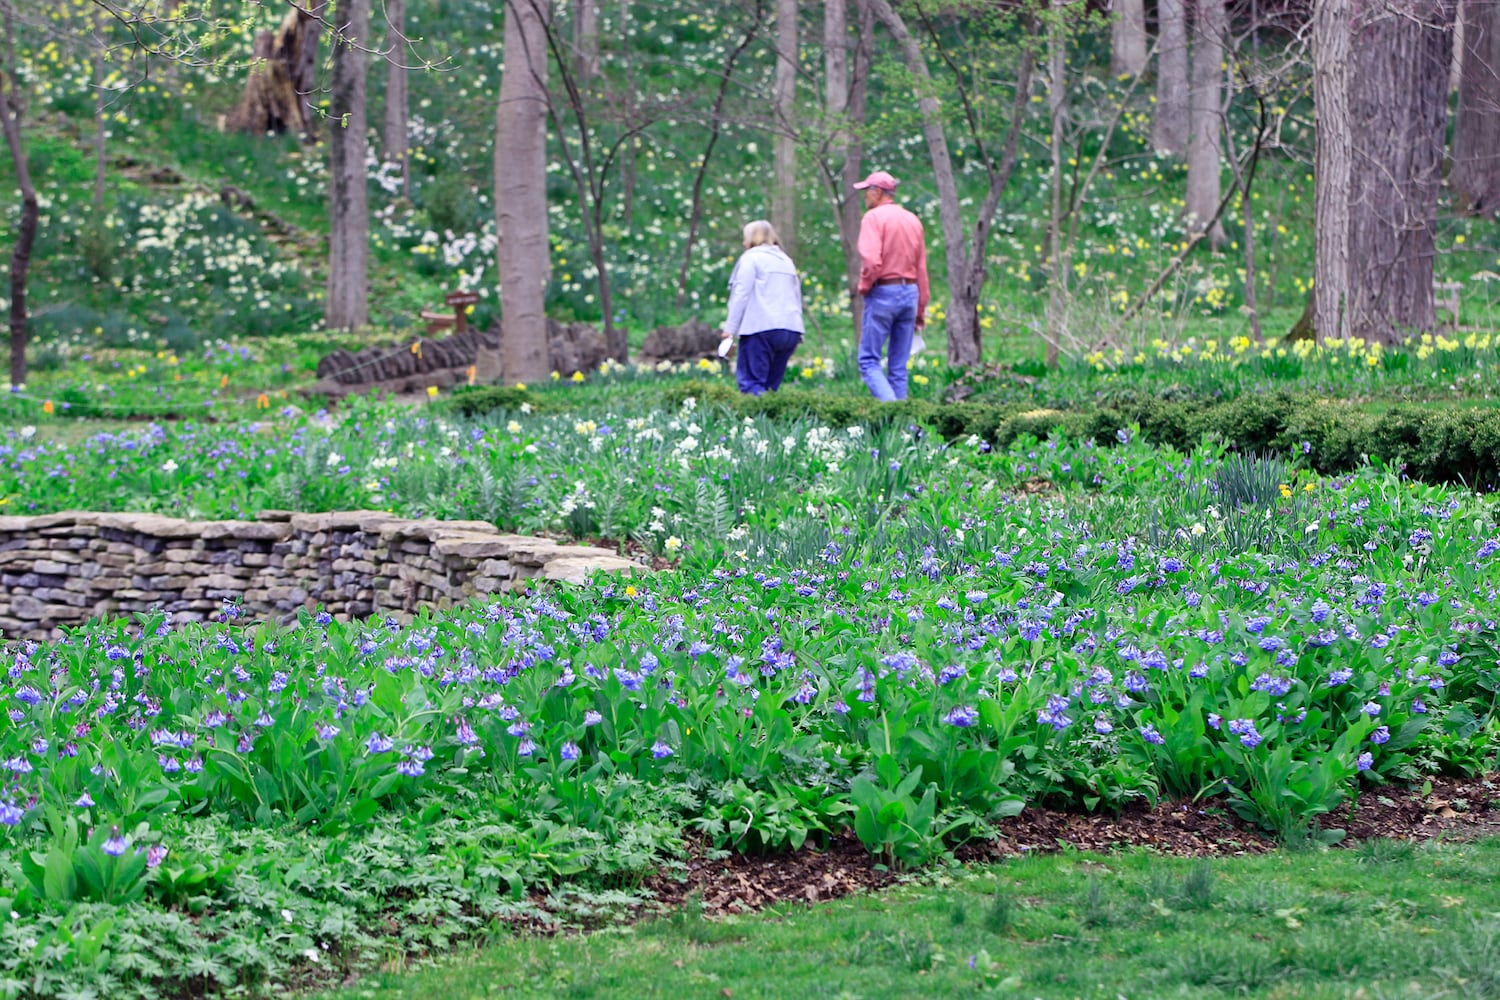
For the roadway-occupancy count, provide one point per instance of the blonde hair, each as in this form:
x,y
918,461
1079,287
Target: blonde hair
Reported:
x,y
760,232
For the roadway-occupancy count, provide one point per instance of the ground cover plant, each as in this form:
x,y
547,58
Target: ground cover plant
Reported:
x,y
912,655
573,459
1388,919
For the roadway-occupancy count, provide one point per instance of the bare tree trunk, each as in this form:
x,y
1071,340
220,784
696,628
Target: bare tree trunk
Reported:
x,y
1127,52
521,192
100,152
627,167
1476,133
1398,95
962,317
964,253
1249,222
1244,181
846,97
396,101
1169,129
1206,119
1460,46
1057,90
1333,32
305,67
347,304
586,42
784,194
20,254
836,59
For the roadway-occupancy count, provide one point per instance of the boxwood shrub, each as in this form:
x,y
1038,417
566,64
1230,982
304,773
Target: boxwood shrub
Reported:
x,y
1440,444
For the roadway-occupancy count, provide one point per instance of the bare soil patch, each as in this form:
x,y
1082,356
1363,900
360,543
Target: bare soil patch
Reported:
x,y
1453,808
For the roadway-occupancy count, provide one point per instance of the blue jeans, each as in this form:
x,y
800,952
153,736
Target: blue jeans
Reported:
x,y
890,319
762,360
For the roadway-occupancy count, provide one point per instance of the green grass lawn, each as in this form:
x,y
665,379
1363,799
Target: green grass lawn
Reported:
x,y
1384,919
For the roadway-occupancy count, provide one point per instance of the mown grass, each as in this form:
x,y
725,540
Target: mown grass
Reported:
x,y
1384,919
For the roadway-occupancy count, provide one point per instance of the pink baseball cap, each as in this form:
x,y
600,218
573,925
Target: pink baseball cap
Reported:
x,y
879,179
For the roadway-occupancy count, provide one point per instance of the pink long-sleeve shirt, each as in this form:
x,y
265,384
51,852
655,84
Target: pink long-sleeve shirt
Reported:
x,y
892,244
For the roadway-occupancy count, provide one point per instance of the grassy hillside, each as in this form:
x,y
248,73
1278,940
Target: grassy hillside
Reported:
x,y
206,235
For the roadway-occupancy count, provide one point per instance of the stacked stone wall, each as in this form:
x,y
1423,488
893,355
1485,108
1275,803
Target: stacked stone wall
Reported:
x,y
63,569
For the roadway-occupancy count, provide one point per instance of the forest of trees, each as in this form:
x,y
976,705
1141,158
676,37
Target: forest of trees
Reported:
x,y
1404,95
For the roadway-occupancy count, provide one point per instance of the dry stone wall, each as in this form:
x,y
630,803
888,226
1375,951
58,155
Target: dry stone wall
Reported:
x,y
64,569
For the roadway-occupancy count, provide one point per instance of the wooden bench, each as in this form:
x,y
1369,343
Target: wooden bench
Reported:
x,y
458,320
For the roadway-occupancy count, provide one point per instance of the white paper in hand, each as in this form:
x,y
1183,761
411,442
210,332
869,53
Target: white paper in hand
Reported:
x,y
724,346
918,345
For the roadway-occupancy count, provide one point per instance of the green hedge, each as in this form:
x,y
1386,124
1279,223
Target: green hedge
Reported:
x,y
477,401
1437,444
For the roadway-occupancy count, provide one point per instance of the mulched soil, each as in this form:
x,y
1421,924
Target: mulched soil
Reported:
x,y
1452,808
740,883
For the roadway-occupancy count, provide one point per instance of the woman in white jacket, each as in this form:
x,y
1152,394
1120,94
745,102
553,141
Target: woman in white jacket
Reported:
x,y
765,310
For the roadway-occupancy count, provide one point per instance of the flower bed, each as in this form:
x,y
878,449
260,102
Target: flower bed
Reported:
x,y
915,669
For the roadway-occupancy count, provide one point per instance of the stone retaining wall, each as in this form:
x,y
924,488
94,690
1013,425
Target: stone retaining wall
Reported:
x,y
63,569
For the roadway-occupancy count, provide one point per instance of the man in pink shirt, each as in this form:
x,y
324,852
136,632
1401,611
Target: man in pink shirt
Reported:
x,y
893,280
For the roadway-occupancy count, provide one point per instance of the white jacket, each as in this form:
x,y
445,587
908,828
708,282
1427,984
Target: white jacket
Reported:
x,y
764,293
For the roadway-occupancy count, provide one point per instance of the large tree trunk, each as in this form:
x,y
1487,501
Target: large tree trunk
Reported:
x,y
784,194
521,192
305,63
396,102
273,100
586,42
1398,95
1476,134
1127,53
20,254
347,305
1169,129
1333,32
1205,120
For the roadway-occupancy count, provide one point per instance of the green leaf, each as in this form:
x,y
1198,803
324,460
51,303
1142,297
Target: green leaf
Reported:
x,y
59,883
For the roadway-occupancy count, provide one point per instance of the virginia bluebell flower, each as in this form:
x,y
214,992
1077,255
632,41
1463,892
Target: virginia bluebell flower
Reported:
x,y
962,716
1245,729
